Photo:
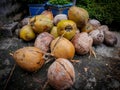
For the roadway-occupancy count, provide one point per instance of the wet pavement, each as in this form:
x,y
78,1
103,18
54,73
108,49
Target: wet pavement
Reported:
x,y
101,73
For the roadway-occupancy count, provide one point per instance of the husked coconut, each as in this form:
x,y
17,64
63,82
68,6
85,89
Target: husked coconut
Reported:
x,y
103,28
61,74
59,17
82,43
110,38
43,41
98,36
95,23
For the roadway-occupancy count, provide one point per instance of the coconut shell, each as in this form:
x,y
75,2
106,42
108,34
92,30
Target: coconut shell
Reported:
x,y
43,41
59,17
61,74
110,38
82,43
103,28
95,23
98,36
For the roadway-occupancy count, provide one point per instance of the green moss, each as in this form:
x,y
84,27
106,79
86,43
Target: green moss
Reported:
x,y
59,2
103,10
34,1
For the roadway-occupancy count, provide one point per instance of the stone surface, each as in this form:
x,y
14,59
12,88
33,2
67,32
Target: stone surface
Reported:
x,y
8,29
106,51
101,73
24,21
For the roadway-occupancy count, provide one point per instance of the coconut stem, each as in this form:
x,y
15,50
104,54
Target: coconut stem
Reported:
x,y
58,41
48,57
92,52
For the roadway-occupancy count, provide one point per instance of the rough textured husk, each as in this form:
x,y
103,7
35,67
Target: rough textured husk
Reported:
x,y
79,15
61,74
98,36
82,43
29,58
103,28
95,23
59,17
43,41
110,38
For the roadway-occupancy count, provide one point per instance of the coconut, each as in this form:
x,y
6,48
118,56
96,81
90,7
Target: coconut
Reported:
x,y
98,36
43,41
26,33
79,15
87,28
95,23
104,28
41,23
62,48
48,14
61,74
59,17
29,58
110,38
82,43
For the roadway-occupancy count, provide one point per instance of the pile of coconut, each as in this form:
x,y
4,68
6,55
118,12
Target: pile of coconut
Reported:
x,y
60,37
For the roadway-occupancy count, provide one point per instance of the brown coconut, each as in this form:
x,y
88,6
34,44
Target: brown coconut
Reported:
x,y
82,43
79,15
98,36
95,23
61,74
104,28
29,58
110,38
43,41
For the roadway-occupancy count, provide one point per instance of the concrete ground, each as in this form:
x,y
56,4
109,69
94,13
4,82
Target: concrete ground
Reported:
x,y
101,73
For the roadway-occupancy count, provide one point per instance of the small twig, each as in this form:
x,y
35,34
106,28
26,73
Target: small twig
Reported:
x,y
11,54
75,61
45,85
48,61
11,73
